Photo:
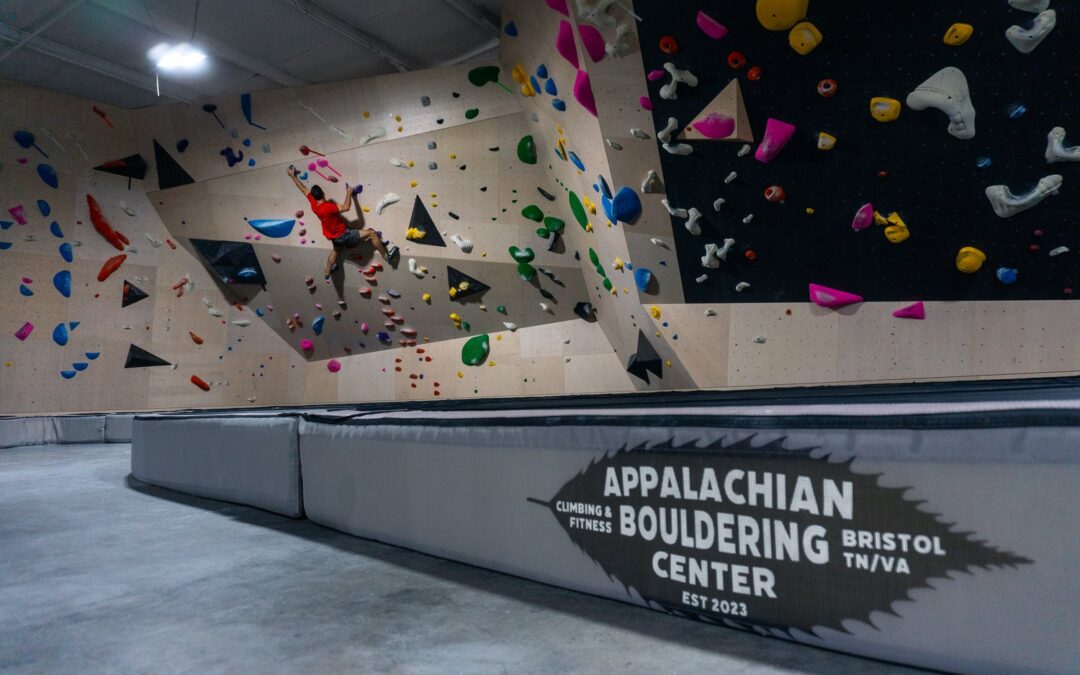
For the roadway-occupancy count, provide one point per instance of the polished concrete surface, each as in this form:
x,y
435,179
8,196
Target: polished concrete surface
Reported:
x,y
101,573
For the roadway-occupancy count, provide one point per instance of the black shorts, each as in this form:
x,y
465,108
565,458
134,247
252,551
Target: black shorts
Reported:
x,y
348,240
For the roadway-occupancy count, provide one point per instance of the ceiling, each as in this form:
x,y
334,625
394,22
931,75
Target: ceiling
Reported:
x,y
97,49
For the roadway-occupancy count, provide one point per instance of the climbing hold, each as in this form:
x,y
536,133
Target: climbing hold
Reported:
x,y
200,383
482,75
274,229
897,230
48,175
781,14
970,259
831,297
472,113
564,44
387,199
710,26
775,193
550,89
67,374
714,125
18,213
333,365
804,37
526,150
669,45
1056,150
1027,38
958,34
593,42
736,60
825,141
117,239
522,255
62,283
884,109
691,224
24,332
307,345
1006,204
585,310
864,217
1016,110
576,161
60,334
625,205
583,92
110,266
475,350
533,212
777,135
558,104
65,252
670,91
652,183
526,271
317,324
654,312
827,88
25,291
1007,275
554,225
947,91
642,277
510,29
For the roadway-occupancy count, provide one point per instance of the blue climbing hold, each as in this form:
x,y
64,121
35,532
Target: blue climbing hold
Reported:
x,y
510,29
384,337
25,291
258,312
65,252
80,366
247,274
251,162
642,277
317,325
558,104
72,325
62,281
576,160
44,207
1016,111
54,229
604,189
541,71
275,229
67,374
48,174
535,84
92,356
5,245
626,205
182,144
246,142
983,162
609,209
5,224
60,334
1007,275
549,87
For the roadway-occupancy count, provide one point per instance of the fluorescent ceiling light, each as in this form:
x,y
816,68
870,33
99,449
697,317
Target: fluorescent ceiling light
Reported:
x,y
178,58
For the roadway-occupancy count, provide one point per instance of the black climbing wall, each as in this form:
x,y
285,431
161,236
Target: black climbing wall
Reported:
x,y
929,177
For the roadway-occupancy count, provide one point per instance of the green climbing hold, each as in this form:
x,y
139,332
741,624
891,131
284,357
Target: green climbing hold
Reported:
x,y
554,224
501,309
600,271
526,150
471,113
533,212
522,255
594,258
484,74
466,325
607,283
526,271
475,350
579,210
543,232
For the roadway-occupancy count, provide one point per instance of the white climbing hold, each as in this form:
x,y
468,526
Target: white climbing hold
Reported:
x,y
749,217
417,270
544,307
618,46
658,242
1058,251
387,199
639,134
678,213
709,260
731,177
464,244
216,312
718,204
745,150
651,183
723,252
612,144
692,224
1033,6
741,286
678,149
670,91
664,135
510,326
399,163
947,91
208,302
710,312
702,279
153,242
242,322
1027,39
1056,150
760,339
378,132
1006,204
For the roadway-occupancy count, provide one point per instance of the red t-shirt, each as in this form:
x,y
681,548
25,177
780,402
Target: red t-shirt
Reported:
x,y
329,213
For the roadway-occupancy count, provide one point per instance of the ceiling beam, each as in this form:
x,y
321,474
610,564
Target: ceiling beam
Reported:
x,y
95,64
354,34
37,31
478,15
220,50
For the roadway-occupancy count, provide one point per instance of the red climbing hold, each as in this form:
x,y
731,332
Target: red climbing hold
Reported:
x,y
736,60
669,45
110,266
827,88
117,239
200,383
775,193
195,338
754,73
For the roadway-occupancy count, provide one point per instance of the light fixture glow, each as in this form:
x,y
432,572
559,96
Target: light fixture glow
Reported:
x,y
178,58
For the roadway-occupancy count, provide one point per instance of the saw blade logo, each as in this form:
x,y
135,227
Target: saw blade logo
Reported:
x,y
762,535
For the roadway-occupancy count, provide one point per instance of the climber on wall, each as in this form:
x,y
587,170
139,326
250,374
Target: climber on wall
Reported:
x,y
335,227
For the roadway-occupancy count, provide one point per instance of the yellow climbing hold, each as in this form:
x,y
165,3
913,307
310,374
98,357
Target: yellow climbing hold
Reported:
x,y
455,317
589,206
453,294
809,211
781,14
460,374
518,73
400,129
897,233
498,338
804,37
397,118
413,184
588,227
366,114
415,234
453,155
825,141
618,264
884,109
426,297
880,219
366,209
668,363
958,34
969,260
411,164
491,364
654,311
527,90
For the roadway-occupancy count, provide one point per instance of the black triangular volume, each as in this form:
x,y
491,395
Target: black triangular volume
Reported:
x,y
422,221
132,294
169,172
645,360
132,166
138,357
456,277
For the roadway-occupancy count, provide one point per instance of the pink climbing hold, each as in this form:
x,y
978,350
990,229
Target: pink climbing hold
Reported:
x,y
710,26
364,328
18,213
25,331
715,125
777,135
307,345
564,43
864,217
915,311
333,365
646,102
655,74
559,6
583,92
831,297
593,41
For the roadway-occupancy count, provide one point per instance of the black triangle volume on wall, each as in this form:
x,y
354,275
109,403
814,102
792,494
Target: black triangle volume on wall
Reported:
x,y
421,220
132,166
169,172
138,357
132,294
456,278
645,360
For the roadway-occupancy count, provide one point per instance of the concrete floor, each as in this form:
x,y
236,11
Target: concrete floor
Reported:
x,y
101,573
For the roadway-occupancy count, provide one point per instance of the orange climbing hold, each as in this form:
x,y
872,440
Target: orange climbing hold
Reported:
x,y
200,383
195,338
110,266
117,239
669,45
